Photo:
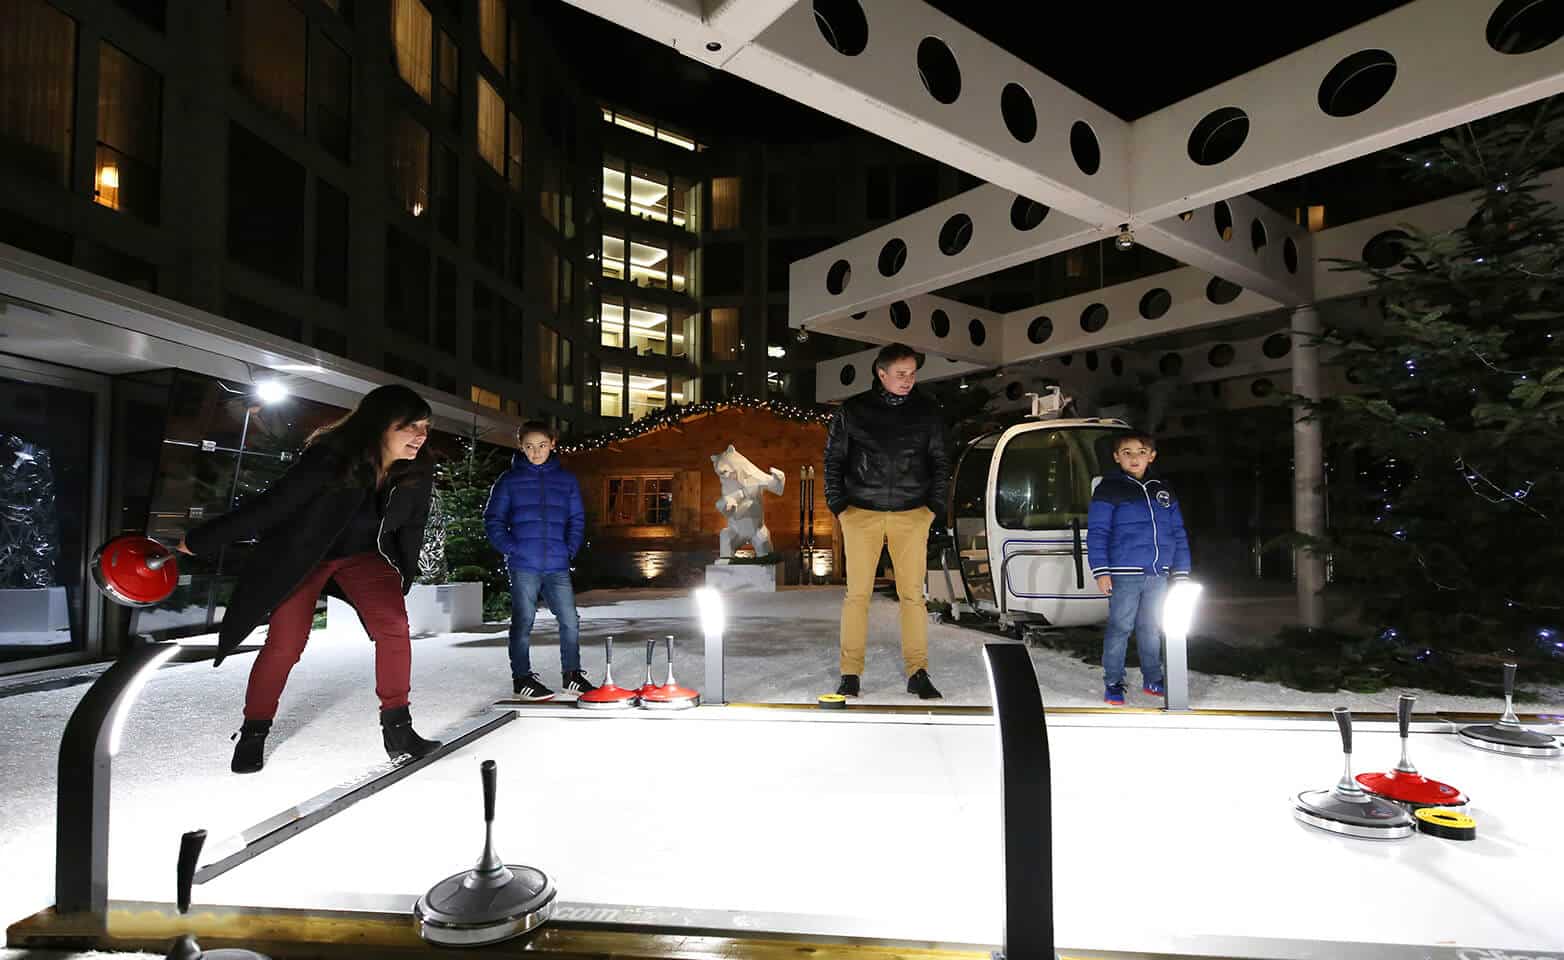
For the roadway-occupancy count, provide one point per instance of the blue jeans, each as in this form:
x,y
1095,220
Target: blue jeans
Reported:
x,y
555,588
1134,605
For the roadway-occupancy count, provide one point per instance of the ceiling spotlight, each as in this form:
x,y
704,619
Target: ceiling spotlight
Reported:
x,y
271,391
802,336
1126,239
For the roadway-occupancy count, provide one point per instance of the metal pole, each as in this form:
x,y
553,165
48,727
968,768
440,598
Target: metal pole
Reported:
x,y
803,545
1308,467
87,748
233,497
1026,800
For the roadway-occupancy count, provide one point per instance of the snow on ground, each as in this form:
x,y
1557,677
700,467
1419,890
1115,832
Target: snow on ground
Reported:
x,y
172,774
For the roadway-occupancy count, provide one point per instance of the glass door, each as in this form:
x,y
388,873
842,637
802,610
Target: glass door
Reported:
x,y
52,470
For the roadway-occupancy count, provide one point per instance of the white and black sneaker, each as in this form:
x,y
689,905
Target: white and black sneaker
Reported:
x,y
576,682
530,688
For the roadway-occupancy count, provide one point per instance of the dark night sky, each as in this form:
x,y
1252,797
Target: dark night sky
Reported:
x,y
1167,56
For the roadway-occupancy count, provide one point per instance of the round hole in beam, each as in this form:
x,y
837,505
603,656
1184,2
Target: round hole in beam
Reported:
x,y
1171,364
1257,235
1290,254
1040,329
1525,26
1091,360
1155,302
939,322
1018,111
1085,148
1387,249
938,70
1094,317
1277,346
847,375
843,25
1222,216
1221,355
1116,365
893,256
1027,214
1218,136
1013,390
1357,82
976,332
1262,388
901,315
955,235
1221,292
837,278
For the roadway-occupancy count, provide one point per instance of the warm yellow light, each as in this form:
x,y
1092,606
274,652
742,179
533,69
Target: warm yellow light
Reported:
x,y
109,177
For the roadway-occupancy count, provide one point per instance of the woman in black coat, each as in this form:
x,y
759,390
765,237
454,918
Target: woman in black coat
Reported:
x,y
348,518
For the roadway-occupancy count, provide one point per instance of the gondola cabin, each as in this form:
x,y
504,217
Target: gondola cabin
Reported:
x,y
1018,503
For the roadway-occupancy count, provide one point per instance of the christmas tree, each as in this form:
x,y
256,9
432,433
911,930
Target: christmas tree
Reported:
x,y
462,490
1447,496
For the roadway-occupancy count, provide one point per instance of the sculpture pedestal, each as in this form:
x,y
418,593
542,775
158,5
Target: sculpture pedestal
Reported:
x,y
734,577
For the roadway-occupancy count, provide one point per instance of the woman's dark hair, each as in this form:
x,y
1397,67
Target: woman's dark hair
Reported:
x,y
356,437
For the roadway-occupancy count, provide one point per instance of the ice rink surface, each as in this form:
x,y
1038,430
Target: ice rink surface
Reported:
x,y
1171,834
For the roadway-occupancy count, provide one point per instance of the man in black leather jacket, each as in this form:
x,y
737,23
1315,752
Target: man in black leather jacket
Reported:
x,y
886,472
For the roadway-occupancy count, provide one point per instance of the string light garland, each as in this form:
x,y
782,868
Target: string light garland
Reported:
x,y
672,416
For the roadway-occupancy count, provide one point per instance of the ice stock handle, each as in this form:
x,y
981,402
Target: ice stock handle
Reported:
x,y
1344,724
1509,679
184,875
1404,713
490,785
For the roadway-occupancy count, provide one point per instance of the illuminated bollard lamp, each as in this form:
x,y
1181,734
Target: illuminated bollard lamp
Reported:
x,y
1178,614
708,602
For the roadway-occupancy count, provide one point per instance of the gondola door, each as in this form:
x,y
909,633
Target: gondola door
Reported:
x,y
1041,483
969,518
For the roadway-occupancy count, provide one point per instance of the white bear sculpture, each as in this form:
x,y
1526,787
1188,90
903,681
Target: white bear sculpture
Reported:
x,y
743,483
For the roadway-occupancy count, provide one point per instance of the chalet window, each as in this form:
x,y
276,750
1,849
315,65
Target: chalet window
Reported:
x,y
640,501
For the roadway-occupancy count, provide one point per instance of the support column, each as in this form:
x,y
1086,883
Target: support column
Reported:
x,y
1308,478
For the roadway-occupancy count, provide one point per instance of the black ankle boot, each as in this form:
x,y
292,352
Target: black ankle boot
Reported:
x,y
396,729
249,752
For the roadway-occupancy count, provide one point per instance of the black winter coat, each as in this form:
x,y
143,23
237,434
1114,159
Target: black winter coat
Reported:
x,y
295,523
884,457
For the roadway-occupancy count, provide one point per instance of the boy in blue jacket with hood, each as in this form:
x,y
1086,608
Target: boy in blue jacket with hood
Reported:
x,y
535,518
1136,543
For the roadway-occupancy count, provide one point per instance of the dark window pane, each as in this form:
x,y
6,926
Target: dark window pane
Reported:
x,y
407,153
445,319
877,193
331,243
130,133
266,50
917,187
37,89
447,92
489,233
262,317
447,193
332,80
34,237
117,266
407,285
153,13
723,269
265,206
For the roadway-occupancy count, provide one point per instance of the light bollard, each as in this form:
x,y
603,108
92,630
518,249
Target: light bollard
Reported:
x,y
1178,613
708,603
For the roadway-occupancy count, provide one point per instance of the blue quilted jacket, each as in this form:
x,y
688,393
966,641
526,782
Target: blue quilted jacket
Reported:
x,y
534,516
1134,527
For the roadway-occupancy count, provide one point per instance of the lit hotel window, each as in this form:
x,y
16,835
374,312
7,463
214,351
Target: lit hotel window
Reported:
x,y
408,154
491,31
38,75
637,501
648,129
130,109
485,398
648,394
725,203
647,330
647,265
266,42
611,392
412,34
491,126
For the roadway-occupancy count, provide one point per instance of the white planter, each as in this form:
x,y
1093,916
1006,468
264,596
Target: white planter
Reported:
x,y
34,610
431,608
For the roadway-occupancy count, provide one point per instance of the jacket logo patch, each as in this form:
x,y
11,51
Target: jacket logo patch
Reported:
x,y
1164,499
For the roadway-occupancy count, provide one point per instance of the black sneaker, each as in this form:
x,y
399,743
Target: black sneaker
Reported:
x,y
530,688
849,685
920,684
577,683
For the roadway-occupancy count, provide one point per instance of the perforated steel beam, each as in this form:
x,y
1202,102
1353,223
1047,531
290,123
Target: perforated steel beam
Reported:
x,y
832,384
1420,69
1182,299
742,19
1243,241
971,235
932,325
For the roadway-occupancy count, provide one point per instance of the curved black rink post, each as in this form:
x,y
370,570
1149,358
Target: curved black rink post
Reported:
x,y
1026,801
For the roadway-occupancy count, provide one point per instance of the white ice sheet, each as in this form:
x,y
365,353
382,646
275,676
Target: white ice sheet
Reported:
x,y
1170,833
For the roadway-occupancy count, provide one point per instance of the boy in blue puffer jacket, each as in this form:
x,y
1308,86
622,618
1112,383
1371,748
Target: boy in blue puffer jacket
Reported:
x,y
1135,541
535,518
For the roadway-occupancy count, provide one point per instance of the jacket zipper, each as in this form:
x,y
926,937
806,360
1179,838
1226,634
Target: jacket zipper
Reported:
x,y
1156,551
381,532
